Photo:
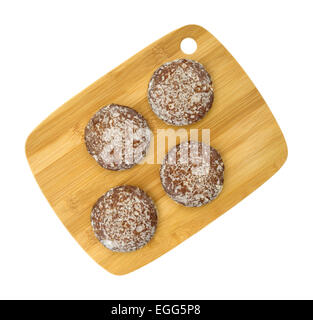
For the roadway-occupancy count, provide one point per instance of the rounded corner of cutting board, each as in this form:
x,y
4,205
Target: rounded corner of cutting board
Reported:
x,y
28,148
192,27
31,140
284,152
27,145
119,273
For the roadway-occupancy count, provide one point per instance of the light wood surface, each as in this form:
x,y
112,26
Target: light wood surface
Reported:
x,y
242,128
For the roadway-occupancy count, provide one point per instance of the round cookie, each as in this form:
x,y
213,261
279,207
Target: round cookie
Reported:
x,y
180,92
117,137
192,173
124,219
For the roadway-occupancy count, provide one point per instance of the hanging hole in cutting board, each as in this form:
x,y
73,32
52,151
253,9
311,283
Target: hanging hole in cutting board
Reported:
x,y
188,46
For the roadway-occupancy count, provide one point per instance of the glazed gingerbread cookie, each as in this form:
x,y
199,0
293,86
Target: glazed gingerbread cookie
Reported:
x,y
192,173
180,92
117,137
124,219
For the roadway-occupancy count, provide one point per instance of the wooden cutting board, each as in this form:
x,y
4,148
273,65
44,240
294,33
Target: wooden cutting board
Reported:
x,y
243,129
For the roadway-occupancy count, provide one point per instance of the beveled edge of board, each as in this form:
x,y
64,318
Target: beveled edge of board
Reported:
x,y
191,29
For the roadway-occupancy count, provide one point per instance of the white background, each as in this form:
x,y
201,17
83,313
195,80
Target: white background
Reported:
x,y
51,50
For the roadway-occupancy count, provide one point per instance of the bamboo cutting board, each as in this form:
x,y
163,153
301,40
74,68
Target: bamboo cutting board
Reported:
x,y
243,130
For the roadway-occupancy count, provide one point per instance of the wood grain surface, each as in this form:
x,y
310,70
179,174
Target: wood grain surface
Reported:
x,y
243,130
